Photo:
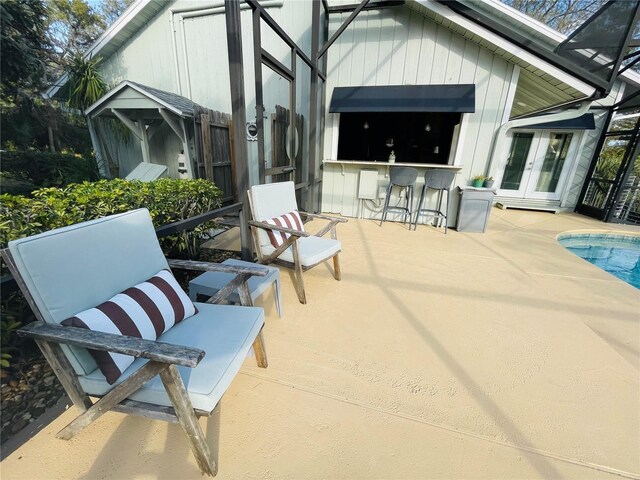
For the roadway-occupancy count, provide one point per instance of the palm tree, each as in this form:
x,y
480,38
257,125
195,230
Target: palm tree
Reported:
x,y
86,86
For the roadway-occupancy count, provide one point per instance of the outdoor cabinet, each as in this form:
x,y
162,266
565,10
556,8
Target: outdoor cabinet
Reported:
x,y
474,207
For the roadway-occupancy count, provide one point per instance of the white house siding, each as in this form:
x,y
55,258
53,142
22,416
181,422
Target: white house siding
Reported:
x,y
403,47
202,73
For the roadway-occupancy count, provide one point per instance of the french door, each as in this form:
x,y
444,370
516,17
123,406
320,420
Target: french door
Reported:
x,y
538,164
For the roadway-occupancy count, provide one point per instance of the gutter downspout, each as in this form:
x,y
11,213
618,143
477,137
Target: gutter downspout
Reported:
x,y
500,135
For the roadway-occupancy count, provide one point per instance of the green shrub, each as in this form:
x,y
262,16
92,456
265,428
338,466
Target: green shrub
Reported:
x,y
168,201
25,171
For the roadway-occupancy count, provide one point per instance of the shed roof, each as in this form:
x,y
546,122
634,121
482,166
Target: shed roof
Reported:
x,y
132,95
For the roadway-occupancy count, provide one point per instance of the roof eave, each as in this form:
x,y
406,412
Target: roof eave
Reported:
x,y
511,47
142,91
549,33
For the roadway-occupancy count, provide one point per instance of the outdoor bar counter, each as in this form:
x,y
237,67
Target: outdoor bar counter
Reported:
x,y
357,188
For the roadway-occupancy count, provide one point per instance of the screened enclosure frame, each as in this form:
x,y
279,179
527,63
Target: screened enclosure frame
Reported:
x,y
614,208
309,189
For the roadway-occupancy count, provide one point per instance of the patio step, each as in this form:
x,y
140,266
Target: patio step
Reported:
x,y
528,204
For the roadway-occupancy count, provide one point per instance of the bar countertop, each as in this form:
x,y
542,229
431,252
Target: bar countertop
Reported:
x,y
387,164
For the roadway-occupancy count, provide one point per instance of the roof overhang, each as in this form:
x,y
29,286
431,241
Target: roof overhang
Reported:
x,y
404,98
513,48
117,99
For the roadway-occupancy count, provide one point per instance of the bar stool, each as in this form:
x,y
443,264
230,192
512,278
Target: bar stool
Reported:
x,y
438,180
405,178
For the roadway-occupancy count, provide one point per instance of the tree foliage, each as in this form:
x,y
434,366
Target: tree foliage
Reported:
x,y
562,15
73,25
112,9
86,85
24,44
40,41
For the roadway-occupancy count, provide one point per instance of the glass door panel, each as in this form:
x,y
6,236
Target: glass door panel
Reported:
x,y
554,161
515,168
551,165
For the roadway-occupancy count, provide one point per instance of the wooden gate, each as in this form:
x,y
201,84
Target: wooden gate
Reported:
x,y
214,152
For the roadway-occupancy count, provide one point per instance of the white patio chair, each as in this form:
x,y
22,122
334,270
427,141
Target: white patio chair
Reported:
x,y
279,238
176,376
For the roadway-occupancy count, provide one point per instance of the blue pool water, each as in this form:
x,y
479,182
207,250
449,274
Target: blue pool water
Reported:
x,y
617,254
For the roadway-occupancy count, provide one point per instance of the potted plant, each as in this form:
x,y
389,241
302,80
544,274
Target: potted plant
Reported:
x,y
488,182
477,181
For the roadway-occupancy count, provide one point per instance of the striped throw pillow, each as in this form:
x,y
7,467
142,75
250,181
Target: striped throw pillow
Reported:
x,y
290,220
146,310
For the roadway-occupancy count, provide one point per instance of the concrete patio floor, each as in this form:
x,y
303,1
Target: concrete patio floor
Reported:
x,y
497,355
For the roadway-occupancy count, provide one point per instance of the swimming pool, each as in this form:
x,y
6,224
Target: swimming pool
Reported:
x,y
616,253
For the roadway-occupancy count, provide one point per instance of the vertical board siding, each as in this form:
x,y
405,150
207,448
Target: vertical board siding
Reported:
x,y
372,49
427,50
414,42
385,52
441,56
403,47
200,52
399,51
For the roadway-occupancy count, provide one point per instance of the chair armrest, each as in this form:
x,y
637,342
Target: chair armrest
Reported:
x,y
325,217
216,267
268,226
109,342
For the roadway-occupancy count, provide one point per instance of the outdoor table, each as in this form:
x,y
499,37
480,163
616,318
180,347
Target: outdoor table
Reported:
x,y
209,283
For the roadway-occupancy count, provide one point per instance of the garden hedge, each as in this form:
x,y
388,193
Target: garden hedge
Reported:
x,y
168,201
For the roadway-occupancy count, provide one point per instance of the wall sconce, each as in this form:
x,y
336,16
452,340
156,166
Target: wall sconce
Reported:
x,y
389,142
427,127
365,125
436,150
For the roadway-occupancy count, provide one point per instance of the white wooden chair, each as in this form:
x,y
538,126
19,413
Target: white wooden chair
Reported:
x,y
176,378
299,250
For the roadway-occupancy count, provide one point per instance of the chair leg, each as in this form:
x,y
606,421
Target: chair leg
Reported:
x,y
439,208
261,353
278,294
386,204
113,398
188,421
337,274
446,212
420,202
409,205
298,273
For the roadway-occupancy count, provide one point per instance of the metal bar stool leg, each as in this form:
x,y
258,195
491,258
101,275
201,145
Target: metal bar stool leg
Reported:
x,y
419,207
439,210
446,212
409,199
386,204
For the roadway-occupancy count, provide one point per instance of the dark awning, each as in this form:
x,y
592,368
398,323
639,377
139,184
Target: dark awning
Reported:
x,y
404,98
585,122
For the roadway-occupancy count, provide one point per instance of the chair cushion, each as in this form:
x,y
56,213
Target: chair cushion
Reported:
x,y
313,250
290,220
71,269
271,200
146,310
224,332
